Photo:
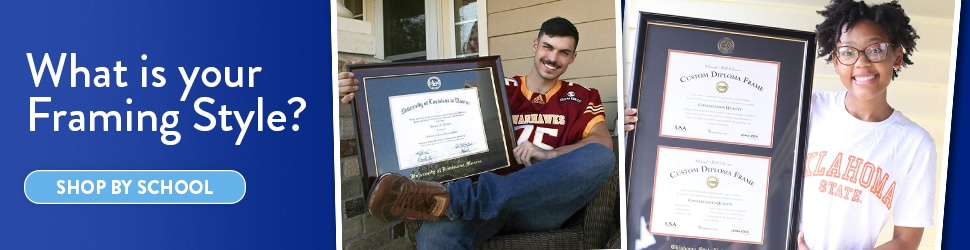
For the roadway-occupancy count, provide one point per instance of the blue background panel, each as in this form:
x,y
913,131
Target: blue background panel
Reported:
x,y
955,220
289,174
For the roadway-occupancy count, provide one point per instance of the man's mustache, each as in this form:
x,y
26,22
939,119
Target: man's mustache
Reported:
x,y
554,64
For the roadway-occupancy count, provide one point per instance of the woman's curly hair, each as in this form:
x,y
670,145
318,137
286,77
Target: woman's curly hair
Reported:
x,y
844,13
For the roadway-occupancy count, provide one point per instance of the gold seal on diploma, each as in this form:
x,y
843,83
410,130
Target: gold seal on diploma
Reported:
x,y
725,45
721,86
712,181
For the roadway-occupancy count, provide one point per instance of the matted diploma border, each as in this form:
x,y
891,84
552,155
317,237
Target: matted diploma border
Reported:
x,y
794,50
373,123
774,101
764,201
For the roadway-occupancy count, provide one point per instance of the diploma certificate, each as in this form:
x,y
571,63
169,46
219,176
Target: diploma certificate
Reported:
x,y
710,195
435,126
719,98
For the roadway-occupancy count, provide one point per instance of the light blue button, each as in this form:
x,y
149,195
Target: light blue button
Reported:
x,y
134,187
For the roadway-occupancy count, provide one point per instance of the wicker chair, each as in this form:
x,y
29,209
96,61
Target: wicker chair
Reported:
x,y
594,226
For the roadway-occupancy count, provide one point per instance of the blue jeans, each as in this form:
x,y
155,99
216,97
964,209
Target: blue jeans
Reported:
x,y
536,198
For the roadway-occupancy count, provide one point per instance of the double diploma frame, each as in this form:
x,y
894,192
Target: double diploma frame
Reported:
x,y
715,159
436,120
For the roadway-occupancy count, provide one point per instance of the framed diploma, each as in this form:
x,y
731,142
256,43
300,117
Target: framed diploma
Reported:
x,y
436,120
715,159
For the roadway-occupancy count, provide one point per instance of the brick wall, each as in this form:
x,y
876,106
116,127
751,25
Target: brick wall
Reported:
x,y
360,230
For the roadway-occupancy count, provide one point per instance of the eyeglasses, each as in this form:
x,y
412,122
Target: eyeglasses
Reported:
x,y
875,53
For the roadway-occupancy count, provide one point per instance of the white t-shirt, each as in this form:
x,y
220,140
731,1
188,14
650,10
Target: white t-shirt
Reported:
x,y
857,172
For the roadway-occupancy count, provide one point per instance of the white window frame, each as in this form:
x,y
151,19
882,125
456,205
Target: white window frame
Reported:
x,y
440,39
431,22
451,50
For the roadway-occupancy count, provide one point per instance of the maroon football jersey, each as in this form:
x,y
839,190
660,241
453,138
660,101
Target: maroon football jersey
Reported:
x,y
560,117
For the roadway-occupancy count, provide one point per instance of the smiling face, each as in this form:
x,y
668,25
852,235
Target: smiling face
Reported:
x,y
865,80
553,55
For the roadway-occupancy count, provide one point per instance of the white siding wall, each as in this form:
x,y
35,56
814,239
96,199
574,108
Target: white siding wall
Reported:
x,y
920,92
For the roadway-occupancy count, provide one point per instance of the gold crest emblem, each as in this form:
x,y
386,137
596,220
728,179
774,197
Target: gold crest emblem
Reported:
x,y
712,181
725,45
721,86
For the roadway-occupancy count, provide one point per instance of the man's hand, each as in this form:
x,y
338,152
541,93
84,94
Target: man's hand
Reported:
x,y
525,152
801,242
347,85
629,120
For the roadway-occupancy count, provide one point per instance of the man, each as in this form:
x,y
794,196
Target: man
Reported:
x,y
567,159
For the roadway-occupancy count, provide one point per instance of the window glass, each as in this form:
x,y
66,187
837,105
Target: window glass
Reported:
x,y
404,30
466,28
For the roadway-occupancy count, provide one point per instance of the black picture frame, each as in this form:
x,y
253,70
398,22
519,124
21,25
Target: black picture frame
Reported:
x,y
792,52
378,135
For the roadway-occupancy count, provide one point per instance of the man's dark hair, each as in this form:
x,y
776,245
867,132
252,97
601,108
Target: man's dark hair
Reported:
x,y
558,26
844,13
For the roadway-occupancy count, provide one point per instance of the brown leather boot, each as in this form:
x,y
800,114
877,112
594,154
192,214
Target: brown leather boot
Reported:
x,y
394,197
